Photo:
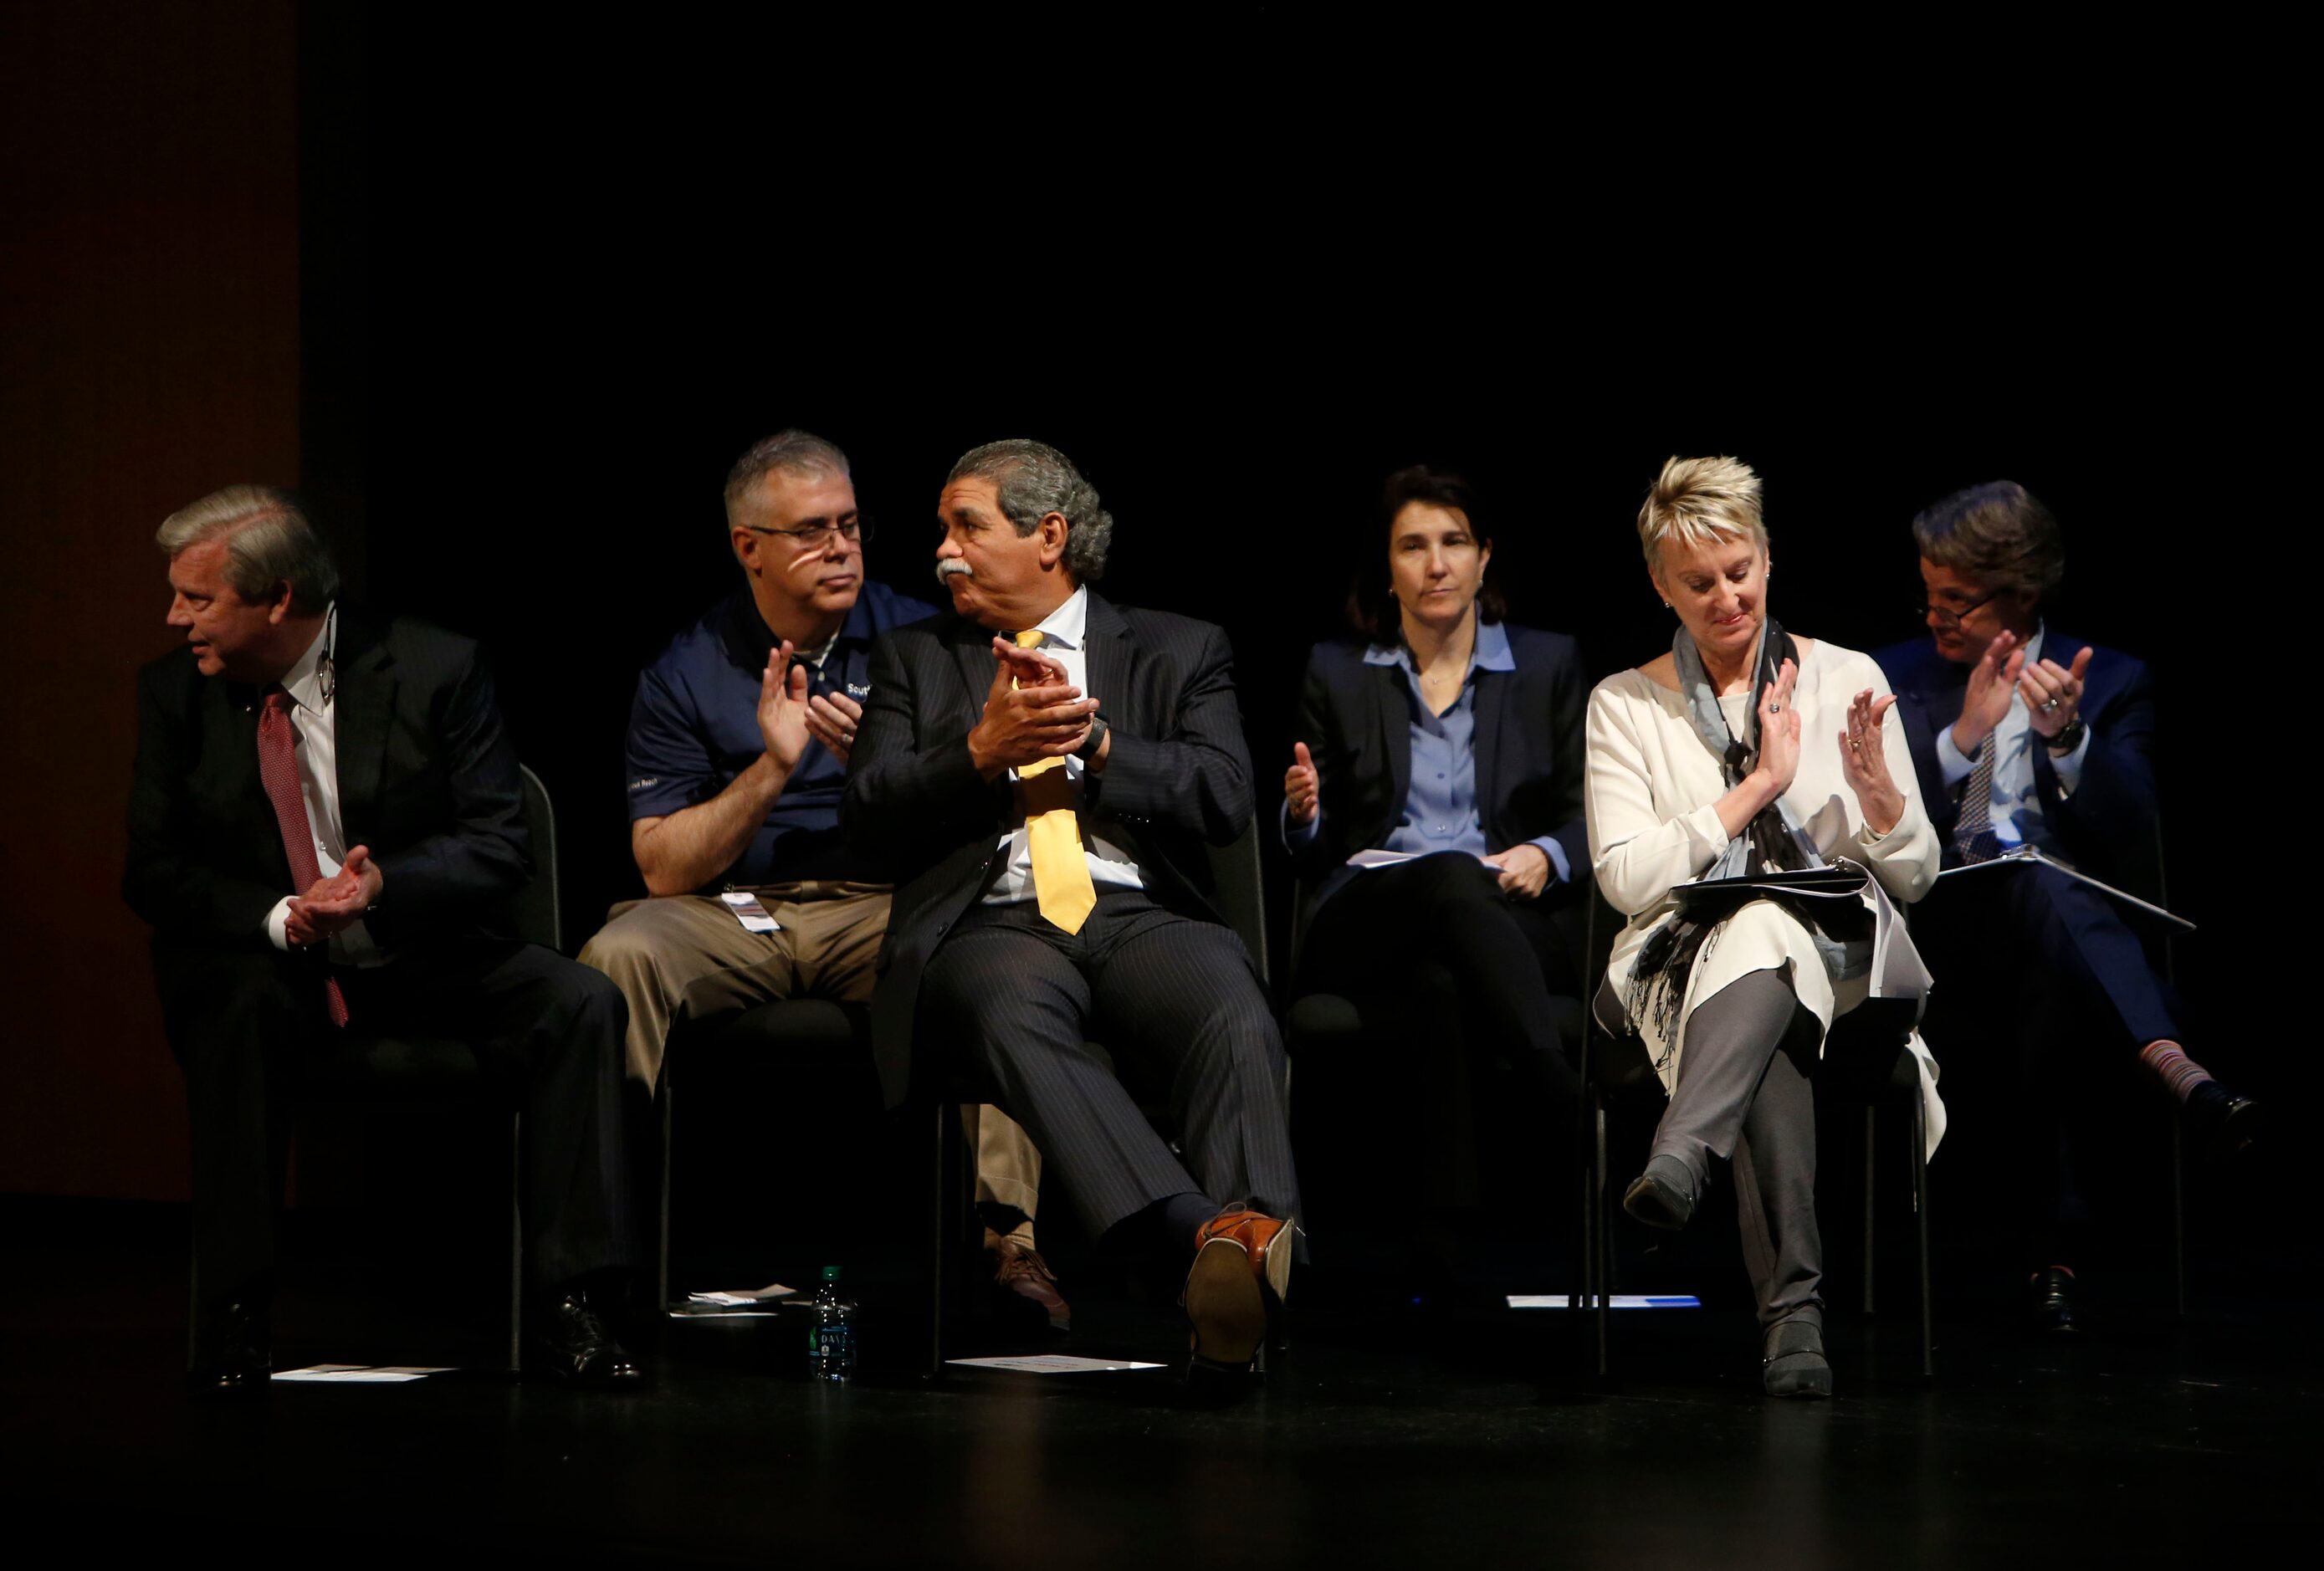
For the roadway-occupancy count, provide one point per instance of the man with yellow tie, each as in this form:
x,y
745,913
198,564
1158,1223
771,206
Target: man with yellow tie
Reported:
x,y
1042,768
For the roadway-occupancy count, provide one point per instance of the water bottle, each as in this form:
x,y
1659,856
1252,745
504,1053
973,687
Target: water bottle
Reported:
x,y
831,1339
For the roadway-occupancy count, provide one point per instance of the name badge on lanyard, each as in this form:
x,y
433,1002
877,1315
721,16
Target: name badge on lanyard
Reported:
x,y
749,911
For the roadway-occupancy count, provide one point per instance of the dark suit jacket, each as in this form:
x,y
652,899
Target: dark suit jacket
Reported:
x,y
1355,721
427,778
2110,816
1178,775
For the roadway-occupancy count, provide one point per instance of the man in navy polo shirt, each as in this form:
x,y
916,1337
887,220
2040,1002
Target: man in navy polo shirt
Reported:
x,y
738,751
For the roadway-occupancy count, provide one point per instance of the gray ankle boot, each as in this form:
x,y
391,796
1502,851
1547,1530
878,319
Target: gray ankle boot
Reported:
x,y
1663,1195
1792,1363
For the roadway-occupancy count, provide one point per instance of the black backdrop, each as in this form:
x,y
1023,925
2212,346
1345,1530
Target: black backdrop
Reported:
x,y
553,286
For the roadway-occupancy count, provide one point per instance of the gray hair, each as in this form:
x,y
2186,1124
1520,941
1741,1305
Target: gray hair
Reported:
x,y
1032,480
267,542
1998,532
793,451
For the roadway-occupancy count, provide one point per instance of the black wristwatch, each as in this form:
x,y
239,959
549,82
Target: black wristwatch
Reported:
x,y
1094,741
2068,739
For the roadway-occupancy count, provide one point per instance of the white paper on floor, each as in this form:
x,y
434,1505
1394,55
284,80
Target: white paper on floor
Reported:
x,y
360,1373
1613,1301
1052,1363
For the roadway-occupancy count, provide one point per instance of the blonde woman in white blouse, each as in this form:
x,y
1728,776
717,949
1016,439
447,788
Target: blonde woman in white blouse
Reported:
x,y
1743,751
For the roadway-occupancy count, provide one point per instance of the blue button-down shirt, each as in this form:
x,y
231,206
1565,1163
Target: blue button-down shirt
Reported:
x,y
1440,803
695,726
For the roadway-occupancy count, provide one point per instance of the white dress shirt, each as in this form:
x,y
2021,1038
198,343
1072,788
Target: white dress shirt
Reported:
x,y
1065,634
314,735
2017,803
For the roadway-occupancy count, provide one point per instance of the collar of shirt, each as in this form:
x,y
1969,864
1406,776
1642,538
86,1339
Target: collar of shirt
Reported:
x,y
1066,627
304,680
1489,653
750,641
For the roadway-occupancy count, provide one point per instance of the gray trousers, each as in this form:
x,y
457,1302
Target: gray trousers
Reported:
x,y
1177,1005
1743,1091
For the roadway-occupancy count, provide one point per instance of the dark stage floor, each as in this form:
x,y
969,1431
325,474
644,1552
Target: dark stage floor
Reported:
x,y
1391,1432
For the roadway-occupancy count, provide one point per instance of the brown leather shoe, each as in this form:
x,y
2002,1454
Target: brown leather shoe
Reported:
x,y
1017,1267
1241,1272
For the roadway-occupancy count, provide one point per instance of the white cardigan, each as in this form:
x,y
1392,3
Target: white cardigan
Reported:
x,y
1650,798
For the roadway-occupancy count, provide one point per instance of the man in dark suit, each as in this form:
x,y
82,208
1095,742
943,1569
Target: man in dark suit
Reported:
x,y
1049,856
2023,737
324,821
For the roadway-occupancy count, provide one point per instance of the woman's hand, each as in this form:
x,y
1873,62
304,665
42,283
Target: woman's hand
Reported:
x,y
1993,681
1779,756
1301,786
2054,694
1779,733
1524,870
1864,760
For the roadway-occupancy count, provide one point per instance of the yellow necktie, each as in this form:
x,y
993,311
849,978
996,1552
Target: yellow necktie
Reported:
x,y
1061,880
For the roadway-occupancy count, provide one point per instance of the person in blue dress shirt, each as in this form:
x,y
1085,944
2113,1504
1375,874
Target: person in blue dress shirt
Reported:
x,y
1433,807
2024,736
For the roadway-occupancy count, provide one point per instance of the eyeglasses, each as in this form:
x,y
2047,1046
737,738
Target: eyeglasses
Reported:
x,y
816,536
1948,617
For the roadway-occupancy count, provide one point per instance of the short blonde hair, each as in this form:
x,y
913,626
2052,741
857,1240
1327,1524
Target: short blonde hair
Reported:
x,y
1695,502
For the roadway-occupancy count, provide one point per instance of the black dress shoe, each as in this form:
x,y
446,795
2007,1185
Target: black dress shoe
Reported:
x,y
2227,1123
570,1344
2050,1308
231,1355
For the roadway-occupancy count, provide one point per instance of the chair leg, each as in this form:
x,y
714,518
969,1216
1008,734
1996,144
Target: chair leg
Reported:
x,y
2178,1219
516,1245
1871,1130
1921,1215
193,1299
944,1230
662,1269
1604,1254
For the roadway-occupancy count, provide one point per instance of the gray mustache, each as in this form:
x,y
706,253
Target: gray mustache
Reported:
x,y
951,565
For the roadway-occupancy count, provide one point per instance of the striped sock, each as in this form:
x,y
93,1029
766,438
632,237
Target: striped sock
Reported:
x,y
2180,1075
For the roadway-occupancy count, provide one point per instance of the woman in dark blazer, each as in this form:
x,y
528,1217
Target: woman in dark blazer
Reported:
x,y
1434,806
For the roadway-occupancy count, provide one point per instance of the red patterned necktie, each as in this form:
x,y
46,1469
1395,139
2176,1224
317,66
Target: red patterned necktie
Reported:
x,y
278,772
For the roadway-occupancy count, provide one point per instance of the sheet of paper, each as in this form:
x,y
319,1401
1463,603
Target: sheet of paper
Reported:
x,y
359,1373
1613,1301
743,1296
1053,1363
1365,861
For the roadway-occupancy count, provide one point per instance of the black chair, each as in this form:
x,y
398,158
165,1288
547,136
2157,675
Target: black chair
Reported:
x,y
1865,1057
1240,897
1332,1028
367,1072
789,1030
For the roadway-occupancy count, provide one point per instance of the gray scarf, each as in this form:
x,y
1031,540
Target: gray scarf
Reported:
x,y
1775,841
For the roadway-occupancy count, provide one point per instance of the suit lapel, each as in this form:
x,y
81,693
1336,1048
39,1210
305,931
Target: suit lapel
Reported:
x,y
1108,657
365,705
1492,704
1393,714
972,654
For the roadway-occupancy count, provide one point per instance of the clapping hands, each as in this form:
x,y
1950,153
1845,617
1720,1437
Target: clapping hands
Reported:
x,y
335,903
1863,761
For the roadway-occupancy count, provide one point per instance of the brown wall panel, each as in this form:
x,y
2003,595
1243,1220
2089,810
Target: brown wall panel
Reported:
x,y
149,352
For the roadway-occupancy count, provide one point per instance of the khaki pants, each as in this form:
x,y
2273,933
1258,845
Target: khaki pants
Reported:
x,y
686,957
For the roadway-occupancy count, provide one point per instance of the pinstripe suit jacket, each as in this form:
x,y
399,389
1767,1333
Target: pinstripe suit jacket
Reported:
x,y
1178,775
